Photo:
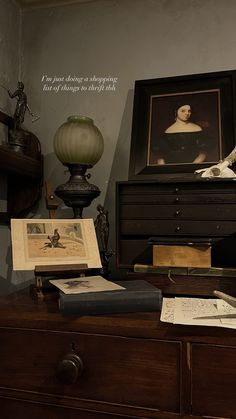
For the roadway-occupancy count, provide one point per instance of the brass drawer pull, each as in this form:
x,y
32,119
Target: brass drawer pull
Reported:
x,y
69,369
176,199
178,212
178,229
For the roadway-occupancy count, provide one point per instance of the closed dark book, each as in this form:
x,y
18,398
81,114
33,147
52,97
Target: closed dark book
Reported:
x,y
138,295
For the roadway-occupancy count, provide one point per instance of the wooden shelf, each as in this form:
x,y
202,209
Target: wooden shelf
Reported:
x,y
16,162
24,171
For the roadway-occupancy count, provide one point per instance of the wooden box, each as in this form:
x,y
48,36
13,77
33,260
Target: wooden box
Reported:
x,y
193,256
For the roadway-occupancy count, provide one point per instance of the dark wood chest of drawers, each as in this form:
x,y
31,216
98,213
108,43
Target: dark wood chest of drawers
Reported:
x,y
191,210
134,366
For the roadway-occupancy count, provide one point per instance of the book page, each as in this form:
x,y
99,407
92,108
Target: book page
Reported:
x,y
84,284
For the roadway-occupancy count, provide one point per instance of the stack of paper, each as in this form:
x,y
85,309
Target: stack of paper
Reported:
x,y
198,312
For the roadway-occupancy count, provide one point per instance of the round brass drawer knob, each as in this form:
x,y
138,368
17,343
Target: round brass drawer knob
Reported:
x,y
178,212
69,369
178,229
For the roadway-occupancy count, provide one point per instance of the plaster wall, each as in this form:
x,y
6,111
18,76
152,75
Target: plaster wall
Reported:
x,y
10,34
10,30
130,40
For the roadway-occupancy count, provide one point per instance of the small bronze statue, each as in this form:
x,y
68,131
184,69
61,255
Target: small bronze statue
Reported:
x,y
17,135
102,229
21,106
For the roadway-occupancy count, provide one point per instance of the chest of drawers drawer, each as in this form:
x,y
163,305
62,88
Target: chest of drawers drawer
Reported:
x,y
178,211
197,228
193,187
128,371
188,210
178,198
206,193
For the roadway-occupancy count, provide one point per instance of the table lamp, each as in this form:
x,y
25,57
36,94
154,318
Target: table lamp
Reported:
x,y
79,145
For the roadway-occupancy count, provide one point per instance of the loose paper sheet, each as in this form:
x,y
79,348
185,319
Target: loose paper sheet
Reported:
x,y
228,313
85,284
198,312
168,309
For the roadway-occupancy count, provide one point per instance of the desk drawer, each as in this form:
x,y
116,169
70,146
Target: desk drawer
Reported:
x,y
16,409
213,381
129,371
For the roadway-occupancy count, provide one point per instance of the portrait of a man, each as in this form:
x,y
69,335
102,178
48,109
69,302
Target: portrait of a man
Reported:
x,y
185,128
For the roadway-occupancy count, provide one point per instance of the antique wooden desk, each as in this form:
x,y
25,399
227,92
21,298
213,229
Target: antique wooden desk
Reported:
x,y
134,366
130,365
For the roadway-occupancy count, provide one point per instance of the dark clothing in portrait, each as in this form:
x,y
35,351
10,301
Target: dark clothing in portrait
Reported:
x,y
182,147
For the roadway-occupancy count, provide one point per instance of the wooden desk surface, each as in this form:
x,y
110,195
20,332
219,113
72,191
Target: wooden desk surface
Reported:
x,y
22,310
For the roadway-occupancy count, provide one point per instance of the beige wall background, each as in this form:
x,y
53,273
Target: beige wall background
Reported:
x,y
10,50
130,40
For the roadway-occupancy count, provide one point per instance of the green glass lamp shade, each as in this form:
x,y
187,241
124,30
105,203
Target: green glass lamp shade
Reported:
x,y
78,140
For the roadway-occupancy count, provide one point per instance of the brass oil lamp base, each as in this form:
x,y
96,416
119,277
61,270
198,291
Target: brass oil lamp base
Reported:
x,y
77,193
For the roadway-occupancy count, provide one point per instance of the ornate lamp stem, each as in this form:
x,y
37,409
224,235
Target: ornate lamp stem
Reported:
x,y
77,192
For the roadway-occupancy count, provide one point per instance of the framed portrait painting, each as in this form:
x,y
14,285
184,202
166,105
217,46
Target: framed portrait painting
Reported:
x,y
181,124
